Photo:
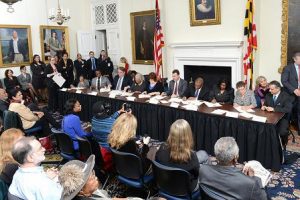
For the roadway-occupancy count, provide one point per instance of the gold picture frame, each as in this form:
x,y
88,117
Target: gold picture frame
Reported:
x,y
284,34
15,52
51,46
205,12
142,36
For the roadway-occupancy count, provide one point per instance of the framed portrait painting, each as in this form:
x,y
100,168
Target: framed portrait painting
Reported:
x,y
142,35
54,41
205,12
15,45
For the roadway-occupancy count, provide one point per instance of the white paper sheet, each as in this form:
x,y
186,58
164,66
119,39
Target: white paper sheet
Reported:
x,y
218,112
104,89
259,119
112,95
259,171
212,105
159,97
59,80
174,105
239,109
78,91
191,107
153,101
126,94
130,98
232,114
175,100
144,96
164,101
93,93
64,89
246,115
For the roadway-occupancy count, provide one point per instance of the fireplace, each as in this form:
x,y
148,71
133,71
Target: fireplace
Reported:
x,y
210,74
207,58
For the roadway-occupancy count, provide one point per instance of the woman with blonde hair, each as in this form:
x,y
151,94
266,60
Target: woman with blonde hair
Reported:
x,y
123,138
8,166
178,150
261,90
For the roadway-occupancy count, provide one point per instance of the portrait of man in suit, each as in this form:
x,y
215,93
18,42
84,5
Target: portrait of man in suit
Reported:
x,y
15,45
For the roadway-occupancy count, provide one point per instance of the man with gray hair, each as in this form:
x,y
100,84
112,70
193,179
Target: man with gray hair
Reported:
x,y
227,181
30,181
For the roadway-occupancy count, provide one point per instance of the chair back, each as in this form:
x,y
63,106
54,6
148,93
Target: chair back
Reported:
x,y
12,120
208,194
127,164
64,142
3,189
85,148
174,181
13,197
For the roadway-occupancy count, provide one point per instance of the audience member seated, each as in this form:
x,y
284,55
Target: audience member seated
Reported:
x,y
80,67
100,81
10,81
3,102
178,150
197,91
30,180
83,83
261,90
123,139
225,179
8,166
30,119
154,87
25,81
71,125
121,80
279,101
37,68
65,67
139,84
92,64
177,86
222,93
244,98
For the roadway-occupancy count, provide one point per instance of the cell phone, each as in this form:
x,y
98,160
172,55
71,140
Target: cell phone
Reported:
x,y
127,107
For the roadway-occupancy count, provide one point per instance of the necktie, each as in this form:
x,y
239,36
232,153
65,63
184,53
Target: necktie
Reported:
x,y
274,98
93,64
98,84
175,89
119,85
196,93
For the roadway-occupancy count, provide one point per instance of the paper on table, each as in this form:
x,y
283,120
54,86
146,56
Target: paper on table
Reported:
x,y
126,94
212,105
104,89
63,89
239,109
112,95
159,97
93,93
174,105
218,112
176,100
59,80
246,115
259,119
259,171
153,101
78,91
232,114
191,107
164,101
144,96
130,98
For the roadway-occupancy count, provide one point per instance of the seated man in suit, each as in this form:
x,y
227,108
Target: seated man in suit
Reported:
x,y
100,81
121,80
177,86
279,101
225,179
197,91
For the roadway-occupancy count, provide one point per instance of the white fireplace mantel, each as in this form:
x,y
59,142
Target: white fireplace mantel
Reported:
x,y
225,53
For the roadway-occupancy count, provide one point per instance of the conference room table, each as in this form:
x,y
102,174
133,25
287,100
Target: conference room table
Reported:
x,y
256,140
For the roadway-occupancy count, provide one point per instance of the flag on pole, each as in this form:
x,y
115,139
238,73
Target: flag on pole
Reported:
x,y
250,43
158,41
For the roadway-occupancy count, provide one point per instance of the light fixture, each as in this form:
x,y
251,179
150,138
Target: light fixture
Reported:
x,y
60,16
10,9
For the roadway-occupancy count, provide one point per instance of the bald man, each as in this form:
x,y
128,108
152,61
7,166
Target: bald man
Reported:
x,y
197,91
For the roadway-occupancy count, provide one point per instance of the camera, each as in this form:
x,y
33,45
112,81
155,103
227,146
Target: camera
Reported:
x,y
127,107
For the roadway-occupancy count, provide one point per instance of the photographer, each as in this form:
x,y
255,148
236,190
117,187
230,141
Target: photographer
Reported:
x,y
102,124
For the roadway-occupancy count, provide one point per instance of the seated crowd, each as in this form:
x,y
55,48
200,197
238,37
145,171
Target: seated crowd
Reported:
x,y
21,155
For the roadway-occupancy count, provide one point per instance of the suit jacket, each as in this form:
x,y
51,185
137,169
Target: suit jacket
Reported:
x,y
231,183
127,81
24,80
49,82
22,47
227,97
3,106
106,66
289,78
182,87
104,82
283,103
203,95
157,88
66,71
81,69
89,66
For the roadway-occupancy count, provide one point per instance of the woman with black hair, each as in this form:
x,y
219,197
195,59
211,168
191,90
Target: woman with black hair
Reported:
x,y
37,68
10,81
222,93
50,72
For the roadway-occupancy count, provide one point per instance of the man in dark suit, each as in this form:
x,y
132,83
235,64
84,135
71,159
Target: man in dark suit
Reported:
x,y
121,80
177,86
227,181
106,65
197,91
18,49
279,101
290,79
80,67
3,102
92,64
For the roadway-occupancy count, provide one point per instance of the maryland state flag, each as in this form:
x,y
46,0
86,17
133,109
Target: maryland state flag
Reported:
x,y
250,43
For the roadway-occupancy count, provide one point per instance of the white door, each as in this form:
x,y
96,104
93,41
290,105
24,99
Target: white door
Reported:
x,y
86,43
113,45
100,37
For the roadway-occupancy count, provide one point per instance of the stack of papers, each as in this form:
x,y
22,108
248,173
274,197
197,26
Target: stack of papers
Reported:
x,y
105,89
174,105
130,98
175,100
144,96
259,119
126,94
239,109
259,171
93,93
232,114
153,101
159,97
78,91
191,107
193,102
246,115
218,112
212,105
164,101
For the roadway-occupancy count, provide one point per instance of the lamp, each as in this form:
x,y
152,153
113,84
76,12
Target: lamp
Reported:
x,y
10,9
60,16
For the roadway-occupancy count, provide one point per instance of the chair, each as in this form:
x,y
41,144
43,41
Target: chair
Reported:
x,y
13,197
208,194
13,120
3,189
130,170
85,148
174,183
65,144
